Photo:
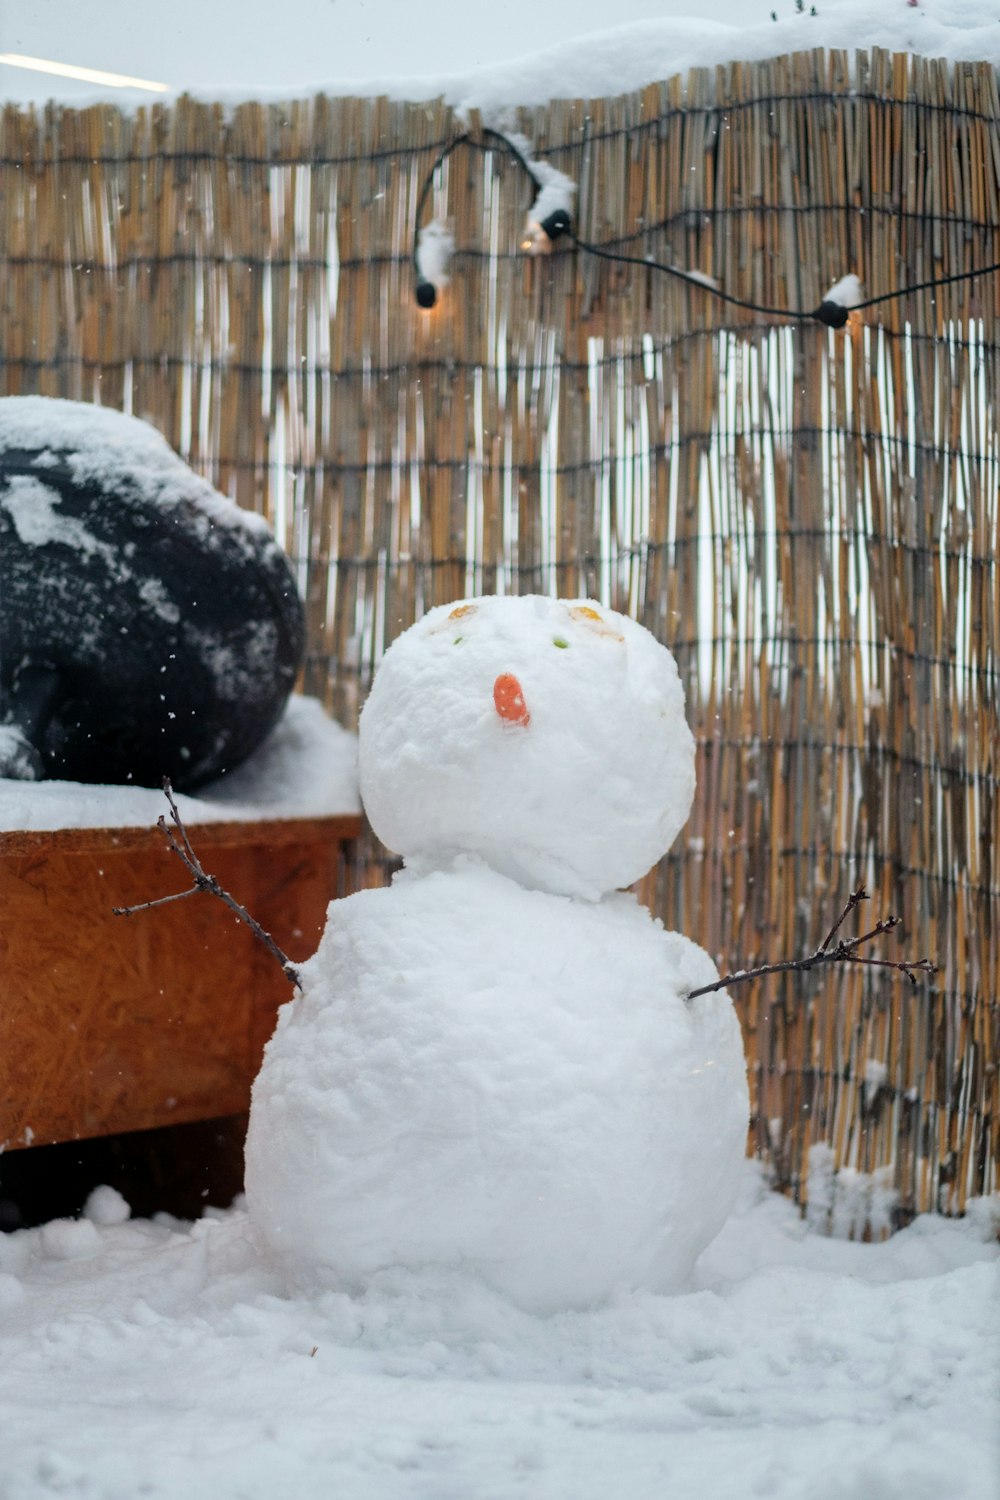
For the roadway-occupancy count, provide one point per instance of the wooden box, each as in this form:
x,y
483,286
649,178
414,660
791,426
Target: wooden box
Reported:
x,y
112,1024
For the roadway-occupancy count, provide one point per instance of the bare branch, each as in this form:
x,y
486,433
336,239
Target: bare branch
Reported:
x,y
129,911
853,900
923,965
176,820
885,925
204,882
844,952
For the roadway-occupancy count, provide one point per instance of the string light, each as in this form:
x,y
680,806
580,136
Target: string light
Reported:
x,y
836,305
541,234
434,249
550,219
551,214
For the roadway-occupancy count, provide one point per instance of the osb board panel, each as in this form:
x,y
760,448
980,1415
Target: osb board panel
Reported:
x,y
112,1024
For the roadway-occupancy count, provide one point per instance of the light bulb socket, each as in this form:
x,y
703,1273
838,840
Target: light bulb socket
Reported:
x,y
556,223
833,314
426,293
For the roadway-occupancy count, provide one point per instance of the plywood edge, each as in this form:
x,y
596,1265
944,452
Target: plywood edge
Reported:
x,y
229,834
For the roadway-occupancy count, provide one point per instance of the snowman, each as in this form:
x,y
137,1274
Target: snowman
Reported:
x,y
492,1067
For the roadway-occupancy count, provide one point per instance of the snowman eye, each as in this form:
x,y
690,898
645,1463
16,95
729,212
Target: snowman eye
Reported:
x,y
557,640
445,626
584,615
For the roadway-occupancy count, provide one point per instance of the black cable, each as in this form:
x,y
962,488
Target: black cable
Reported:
x,y
558,224
691,278
922,286
519,157
425,291
833,314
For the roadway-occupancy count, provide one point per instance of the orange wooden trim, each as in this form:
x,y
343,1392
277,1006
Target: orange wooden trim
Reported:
x,y
228,835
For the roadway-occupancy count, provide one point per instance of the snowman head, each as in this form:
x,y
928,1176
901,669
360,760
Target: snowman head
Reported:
x,y
547,737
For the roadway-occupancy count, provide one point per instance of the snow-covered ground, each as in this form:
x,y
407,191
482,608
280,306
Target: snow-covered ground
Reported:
x,y
163,1359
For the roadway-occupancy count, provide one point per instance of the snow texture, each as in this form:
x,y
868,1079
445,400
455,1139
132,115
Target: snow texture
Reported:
x,y
17,755
701,277
34,510
848,1203
435,247
100,446
167,1362
106,1206
482,1076
847,292
306,768
556,193
581,798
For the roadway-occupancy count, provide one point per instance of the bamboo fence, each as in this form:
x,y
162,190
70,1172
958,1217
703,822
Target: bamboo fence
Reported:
x,y
808,518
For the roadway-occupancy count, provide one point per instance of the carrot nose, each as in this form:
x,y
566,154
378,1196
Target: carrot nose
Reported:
x,y
508,699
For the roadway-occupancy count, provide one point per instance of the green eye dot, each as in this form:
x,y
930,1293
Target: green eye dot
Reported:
x,y
457,641
557,640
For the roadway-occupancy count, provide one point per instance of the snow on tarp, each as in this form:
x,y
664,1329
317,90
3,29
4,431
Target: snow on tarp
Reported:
x,y
150,626
306,768
628,57
100,446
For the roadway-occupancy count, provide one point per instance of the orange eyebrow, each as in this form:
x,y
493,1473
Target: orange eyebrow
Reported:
x,y
591,618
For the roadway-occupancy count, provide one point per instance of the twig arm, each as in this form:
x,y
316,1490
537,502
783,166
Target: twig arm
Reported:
x,y
130,911
853,900
205,882
844,952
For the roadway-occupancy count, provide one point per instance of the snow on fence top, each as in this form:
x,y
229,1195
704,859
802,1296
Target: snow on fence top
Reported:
x,y
607,62
808,518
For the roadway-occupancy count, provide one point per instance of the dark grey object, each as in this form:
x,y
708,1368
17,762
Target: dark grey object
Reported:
x,y
148,628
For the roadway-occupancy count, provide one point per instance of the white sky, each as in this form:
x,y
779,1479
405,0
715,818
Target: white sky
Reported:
x,y
201,44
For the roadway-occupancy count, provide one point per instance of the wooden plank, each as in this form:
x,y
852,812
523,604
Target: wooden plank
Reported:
x,y
273,833
114,1024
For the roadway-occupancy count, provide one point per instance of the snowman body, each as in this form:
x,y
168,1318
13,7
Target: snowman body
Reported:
x,y
492,1066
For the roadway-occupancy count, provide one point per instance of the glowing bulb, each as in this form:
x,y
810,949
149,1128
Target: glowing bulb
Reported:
x,y
535,241
426,294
